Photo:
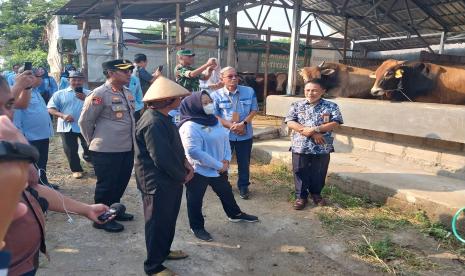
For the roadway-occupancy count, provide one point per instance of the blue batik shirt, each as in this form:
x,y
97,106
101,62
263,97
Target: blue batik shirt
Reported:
x,y
66,102
34,121
242,101
312,115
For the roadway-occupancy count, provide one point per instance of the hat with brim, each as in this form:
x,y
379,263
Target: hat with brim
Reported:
x,y
162,89
118,64
75,75
185,52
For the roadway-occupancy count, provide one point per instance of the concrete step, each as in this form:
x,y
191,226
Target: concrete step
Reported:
x,y
372,175
265,133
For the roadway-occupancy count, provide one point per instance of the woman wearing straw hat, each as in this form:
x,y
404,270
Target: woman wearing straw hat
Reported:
x,y
161,170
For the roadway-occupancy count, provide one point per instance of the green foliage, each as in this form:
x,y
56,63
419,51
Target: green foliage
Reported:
x,y
38,57
22,28
153,29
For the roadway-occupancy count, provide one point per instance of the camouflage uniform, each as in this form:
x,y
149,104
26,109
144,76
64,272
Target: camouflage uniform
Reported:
x,y
182,78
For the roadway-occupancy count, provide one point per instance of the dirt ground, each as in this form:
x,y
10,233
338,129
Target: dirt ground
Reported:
x,y
284,242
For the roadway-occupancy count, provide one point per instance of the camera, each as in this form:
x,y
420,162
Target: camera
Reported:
x,y
79,90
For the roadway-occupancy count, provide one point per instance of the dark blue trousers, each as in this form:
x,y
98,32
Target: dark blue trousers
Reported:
x,y
243,151
309,173
42,146
195,191
113,171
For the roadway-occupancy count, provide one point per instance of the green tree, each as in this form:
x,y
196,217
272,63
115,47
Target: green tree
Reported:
x,y
22,29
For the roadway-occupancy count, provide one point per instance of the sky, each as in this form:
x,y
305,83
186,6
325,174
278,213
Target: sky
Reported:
x,y
276,20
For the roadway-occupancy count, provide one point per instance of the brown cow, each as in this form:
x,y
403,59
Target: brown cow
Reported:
x,y
419,82
341,80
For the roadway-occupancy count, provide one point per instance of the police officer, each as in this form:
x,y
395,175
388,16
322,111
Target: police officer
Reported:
x,y
161,170
186,75
107,124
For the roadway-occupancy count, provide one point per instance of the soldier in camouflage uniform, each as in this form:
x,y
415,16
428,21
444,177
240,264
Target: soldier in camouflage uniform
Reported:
x,y
188,76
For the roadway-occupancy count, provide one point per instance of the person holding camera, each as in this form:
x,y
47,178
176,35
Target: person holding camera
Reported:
x,y
48,86
145,78
189,77
34,122
67,105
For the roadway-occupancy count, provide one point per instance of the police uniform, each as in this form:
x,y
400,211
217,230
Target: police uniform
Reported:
x,y
181,74
107,124
160,174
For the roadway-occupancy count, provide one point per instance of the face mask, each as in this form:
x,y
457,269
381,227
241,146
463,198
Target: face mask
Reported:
x,y
209,109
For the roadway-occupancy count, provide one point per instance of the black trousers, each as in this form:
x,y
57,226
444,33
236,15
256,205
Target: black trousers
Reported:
x,y
195,191
113,171
42,146
309,173
243,151
161,212
71,147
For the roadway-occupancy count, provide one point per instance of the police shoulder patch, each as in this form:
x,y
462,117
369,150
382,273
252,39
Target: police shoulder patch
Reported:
x,y
97,100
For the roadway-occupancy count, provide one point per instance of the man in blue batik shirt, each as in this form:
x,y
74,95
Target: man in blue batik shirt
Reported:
x,y
312,121
66,105
235,107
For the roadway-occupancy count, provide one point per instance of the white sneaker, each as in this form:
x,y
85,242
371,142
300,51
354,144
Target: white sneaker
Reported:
x,y
77,175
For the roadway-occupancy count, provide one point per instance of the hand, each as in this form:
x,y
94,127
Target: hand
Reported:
x,y
211,62
156,73
319,138
307,131
216,85
68,118
24,80
81,96
225,166
238,128
95,210
190,172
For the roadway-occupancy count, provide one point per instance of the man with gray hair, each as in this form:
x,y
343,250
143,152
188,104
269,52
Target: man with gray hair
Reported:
x,y
235,107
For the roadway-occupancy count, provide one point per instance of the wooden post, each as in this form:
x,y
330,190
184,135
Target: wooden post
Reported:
x,y
179,26
168,42
118,30
267,61
441,45
232,18
221,36
83,43
344,51
308,43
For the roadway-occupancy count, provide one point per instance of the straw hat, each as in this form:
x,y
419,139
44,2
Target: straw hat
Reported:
x,y
163,88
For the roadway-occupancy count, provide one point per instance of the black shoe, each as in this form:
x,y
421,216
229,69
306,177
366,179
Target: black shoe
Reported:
x,y
124,217
244,217
202,234
244,192
111,226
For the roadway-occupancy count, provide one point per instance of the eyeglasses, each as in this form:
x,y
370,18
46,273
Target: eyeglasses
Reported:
x,y
231,77
125,71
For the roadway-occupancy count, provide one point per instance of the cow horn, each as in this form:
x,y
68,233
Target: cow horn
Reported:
x,y
321,64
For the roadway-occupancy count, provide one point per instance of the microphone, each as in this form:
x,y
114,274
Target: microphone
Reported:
x,y
115,209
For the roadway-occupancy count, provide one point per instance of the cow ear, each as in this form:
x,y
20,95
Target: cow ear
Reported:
x,y
399,73
372,75
424,68
327,72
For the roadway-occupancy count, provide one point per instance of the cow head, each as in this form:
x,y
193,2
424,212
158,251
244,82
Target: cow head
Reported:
x,y
398,80
388,75
325,72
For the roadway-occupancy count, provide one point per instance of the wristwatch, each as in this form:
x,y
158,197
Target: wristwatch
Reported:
x,y
245,122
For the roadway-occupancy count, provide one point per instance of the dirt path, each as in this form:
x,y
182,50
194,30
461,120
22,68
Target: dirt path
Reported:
x,y
285,242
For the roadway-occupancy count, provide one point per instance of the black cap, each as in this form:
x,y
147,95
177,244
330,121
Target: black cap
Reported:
x,y
76,74
118,64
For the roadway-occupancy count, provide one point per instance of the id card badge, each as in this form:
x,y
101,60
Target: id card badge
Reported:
x,y
235,117
326,117
177,118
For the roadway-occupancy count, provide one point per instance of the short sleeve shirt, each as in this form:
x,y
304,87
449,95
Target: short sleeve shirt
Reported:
x,y
181,74
65,101
144,78
312,115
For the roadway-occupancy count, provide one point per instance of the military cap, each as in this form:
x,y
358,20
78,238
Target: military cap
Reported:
x,y
118,64
185,52
76,74
163,88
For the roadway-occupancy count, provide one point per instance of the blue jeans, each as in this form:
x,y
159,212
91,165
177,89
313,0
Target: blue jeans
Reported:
x,y
243,150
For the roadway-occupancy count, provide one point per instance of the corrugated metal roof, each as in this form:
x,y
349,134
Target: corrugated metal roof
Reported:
x,y
374,24
379,20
